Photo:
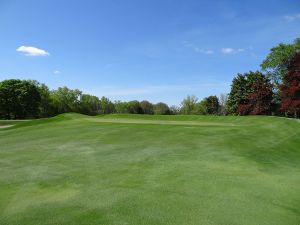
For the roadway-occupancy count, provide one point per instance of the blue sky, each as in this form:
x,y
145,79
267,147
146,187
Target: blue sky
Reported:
x,y
159,50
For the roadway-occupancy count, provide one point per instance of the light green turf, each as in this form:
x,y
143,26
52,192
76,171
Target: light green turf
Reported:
x,y
136,170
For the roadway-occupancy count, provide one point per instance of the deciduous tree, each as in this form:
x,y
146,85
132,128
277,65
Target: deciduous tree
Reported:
x,y
106,106
19,99
147,107
66,100
188,104
161,109
290,89
259,100
211,104
242,86
278,60
89,104
134,107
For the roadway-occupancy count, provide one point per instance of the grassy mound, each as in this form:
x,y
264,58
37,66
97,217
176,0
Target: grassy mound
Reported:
x,y
139,169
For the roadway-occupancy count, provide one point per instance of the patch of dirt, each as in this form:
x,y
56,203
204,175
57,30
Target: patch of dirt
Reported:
x,y
5,126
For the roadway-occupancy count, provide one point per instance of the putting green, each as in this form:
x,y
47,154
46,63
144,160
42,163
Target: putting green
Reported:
x,y
135,169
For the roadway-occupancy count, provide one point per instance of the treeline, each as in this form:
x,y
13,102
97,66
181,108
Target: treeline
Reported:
x,y
21,99
275,90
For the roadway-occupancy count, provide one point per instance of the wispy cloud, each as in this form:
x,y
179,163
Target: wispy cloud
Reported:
x,y
32,51
226,50
231,50
197,49
291,18
56,72
204,51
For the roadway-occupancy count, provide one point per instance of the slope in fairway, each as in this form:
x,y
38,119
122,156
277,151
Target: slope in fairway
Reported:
x,y
132,169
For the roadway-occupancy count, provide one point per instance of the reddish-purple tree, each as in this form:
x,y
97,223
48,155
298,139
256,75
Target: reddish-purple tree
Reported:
x,y
290,90
259,100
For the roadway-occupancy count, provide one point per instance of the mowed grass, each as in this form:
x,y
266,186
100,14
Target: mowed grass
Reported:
x,y
135,170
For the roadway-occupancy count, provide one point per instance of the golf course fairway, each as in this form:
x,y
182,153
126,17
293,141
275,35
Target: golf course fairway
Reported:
x,y
159,170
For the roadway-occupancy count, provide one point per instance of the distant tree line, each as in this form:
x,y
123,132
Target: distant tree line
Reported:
x,y
21,99
273,91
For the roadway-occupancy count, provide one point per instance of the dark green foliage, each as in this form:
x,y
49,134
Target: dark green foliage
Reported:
x,y
46,107
134,107
161,109
66,100
121,107
147,107
107,106
19,99
89,104
212,105
27,99
237,94
243,85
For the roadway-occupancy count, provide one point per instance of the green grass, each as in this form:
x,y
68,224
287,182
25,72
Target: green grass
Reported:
x,y
136,170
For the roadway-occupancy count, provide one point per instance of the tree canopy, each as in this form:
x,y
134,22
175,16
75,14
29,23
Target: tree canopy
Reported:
x,y
19,99
290,89
188,104
161,109
211,104
278,60
251,93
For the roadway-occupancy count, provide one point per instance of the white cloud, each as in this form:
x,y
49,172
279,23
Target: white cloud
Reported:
x,y
227,50
204,51
32,51
56,72
291,18
231,50
187,44
197,49
208,51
